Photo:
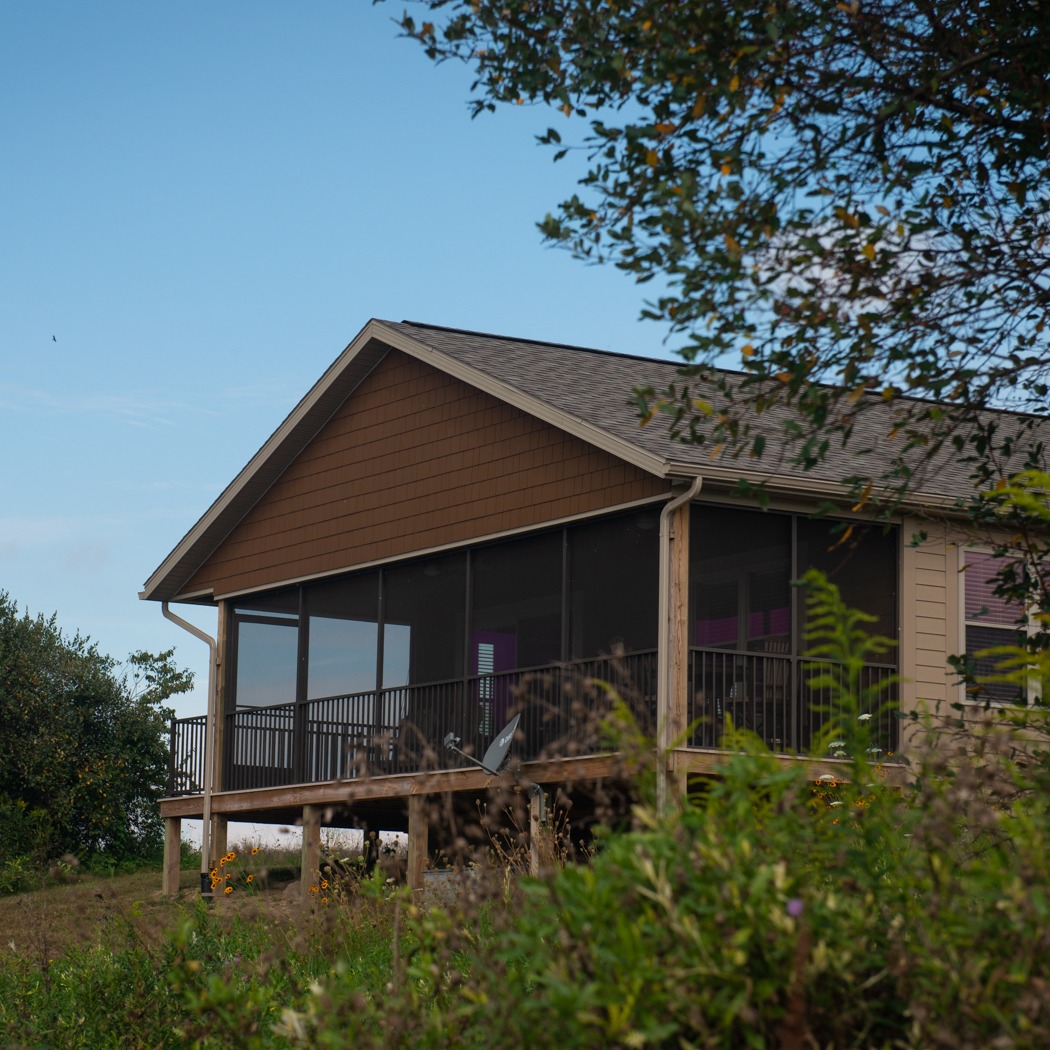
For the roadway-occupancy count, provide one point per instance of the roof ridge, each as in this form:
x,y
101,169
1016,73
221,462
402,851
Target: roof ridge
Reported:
x,y
543,342
707,369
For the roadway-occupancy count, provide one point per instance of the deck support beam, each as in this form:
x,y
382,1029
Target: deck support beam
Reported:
x,y
418,840
172,855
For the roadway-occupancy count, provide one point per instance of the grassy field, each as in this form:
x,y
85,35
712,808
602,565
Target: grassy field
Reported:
x,y
102,962
47,922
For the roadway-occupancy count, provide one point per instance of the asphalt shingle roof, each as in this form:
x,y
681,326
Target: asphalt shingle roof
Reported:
x,y
595,386
583,390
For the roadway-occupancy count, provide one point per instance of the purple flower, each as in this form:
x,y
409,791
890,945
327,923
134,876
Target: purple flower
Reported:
x,y
794,907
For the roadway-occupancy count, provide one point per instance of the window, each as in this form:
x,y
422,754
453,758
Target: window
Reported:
x,y
989,620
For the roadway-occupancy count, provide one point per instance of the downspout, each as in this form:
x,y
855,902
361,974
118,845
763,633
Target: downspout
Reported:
x,y
663,643
209,743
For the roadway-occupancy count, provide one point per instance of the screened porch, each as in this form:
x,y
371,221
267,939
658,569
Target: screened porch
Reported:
x,y
366,674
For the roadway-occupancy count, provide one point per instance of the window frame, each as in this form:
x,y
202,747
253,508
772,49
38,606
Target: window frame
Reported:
x,y
1030,693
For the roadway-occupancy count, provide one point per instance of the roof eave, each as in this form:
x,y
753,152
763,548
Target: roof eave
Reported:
x,y
804,485
304,421
262,470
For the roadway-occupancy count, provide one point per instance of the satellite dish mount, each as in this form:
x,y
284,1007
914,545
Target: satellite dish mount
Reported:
x,y
495,758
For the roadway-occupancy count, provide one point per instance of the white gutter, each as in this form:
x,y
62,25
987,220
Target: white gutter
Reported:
x,y
209,744
663,643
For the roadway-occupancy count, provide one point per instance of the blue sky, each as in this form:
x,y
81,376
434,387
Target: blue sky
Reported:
x,y
202,204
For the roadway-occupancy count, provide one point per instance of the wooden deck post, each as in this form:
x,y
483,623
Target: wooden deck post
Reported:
x,y
172,855
535,833
220,838
311,855
418,840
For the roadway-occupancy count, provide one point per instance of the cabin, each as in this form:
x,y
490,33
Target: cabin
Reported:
x,y
452,528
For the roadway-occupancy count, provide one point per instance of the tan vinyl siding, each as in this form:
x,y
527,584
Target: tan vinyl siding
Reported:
x,y
415,459
928,618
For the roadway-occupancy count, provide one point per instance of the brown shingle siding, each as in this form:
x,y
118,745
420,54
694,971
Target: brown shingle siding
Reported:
x,y
415,459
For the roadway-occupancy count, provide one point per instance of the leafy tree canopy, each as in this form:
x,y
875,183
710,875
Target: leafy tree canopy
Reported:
x,y
83,756
847,198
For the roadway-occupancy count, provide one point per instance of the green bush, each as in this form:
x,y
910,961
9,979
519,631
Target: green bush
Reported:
x,y
773,910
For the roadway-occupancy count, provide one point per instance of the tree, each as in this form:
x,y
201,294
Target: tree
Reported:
x,y
846,201
83,757
846,198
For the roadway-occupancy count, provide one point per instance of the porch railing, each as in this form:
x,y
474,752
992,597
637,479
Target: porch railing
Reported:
x,y
771,695
186,737
402,729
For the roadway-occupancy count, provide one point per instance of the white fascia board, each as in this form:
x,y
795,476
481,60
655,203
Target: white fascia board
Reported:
x,y
805,486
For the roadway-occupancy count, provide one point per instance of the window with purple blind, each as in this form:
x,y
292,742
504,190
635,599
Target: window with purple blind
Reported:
x,y
991,620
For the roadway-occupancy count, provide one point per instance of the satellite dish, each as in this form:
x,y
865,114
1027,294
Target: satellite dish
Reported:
x,y
499,750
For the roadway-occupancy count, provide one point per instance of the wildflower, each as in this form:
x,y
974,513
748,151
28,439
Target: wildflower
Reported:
x,y
324,900
864,717
324,884
229,889
313,889
249,879
794,907
255,849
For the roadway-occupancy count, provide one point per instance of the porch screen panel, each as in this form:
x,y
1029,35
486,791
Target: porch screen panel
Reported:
x,y
861,563
266,638
343,632
516,623
517,596
614,584
424,610
739,579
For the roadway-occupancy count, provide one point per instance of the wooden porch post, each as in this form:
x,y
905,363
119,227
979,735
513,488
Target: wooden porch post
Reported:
x,y
172,855
673,657
418,840
311,855
220,698
678,643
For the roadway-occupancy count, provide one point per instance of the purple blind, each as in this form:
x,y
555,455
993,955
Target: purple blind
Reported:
x,y
982,604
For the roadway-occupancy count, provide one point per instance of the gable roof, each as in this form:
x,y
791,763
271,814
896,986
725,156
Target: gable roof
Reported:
x,y
581,391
